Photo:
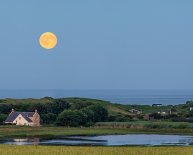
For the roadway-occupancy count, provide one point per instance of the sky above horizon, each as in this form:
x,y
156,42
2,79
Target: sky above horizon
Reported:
x,y
107,44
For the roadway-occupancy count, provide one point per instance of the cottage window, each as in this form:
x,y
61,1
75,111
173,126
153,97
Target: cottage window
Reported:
x,y
19,118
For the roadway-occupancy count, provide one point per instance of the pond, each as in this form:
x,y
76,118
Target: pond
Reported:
x,y
107,140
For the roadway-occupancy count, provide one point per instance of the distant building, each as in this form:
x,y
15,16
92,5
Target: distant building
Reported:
x,y
191,108
23,118
164,112
135,111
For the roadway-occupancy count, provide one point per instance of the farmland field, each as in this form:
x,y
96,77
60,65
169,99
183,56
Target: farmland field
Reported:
x,y
66,150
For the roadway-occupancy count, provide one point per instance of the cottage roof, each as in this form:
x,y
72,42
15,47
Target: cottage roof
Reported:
x,y
13,115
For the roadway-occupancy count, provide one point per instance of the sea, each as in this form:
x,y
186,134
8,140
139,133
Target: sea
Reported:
x,y
145,97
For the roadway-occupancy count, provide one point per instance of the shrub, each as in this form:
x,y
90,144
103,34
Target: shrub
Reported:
x,y
71,118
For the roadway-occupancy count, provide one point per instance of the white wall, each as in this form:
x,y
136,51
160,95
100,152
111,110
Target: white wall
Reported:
x,y
21,121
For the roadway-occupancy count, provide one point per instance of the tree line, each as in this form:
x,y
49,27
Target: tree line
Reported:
x,y
60,112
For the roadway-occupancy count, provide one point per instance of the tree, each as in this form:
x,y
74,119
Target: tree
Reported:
x,y
2,118
71,118
49,118
96,113
156,116
5,108
57,106
80,105
40,107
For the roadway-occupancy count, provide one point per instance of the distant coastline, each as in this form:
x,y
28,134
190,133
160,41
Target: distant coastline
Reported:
x,y
148,97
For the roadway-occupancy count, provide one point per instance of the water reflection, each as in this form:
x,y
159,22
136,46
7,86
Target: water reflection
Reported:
x,y
26,141
107,140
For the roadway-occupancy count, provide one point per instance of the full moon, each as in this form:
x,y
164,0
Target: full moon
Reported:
x,y
48,40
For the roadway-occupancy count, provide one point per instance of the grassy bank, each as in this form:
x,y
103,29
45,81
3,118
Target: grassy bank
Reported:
x,y
65,150
17,131
146,124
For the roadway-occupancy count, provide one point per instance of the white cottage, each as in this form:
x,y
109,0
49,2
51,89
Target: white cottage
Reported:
x,y
23,118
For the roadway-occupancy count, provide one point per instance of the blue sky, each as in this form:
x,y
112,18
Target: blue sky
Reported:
x,y
102,44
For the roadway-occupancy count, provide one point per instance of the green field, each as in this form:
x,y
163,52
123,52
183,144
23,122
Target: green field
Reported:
x,y
21,131
66,150
18,131
147,124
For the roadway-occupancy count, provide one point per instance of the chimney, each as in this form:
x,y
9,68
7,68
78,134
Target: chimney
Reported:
x,y
12,110
36,111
